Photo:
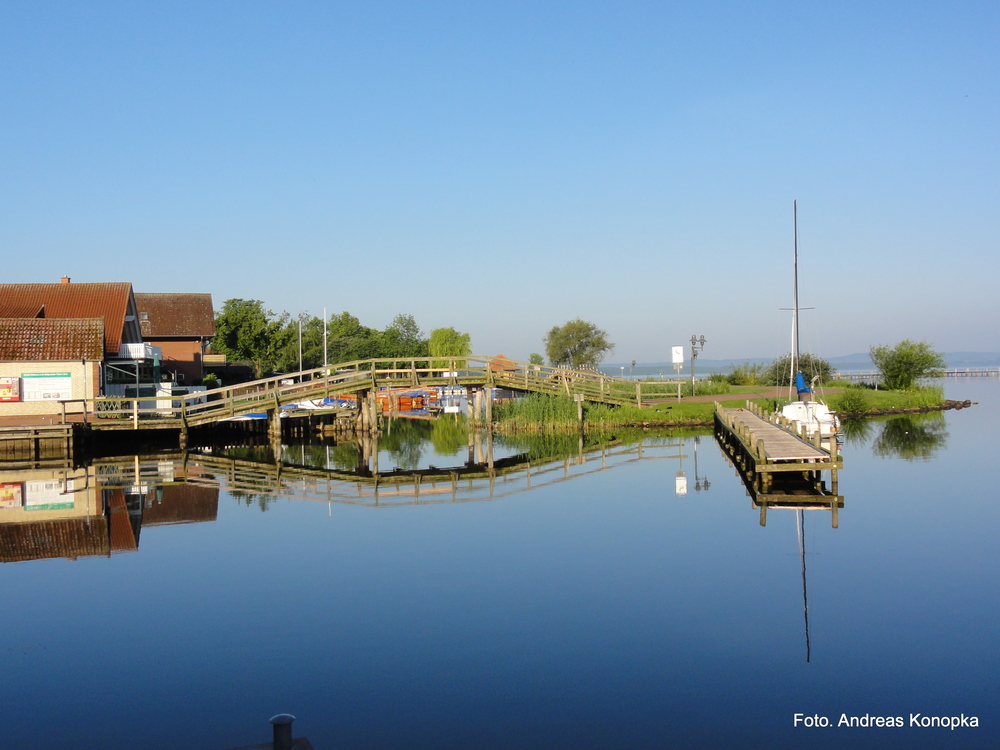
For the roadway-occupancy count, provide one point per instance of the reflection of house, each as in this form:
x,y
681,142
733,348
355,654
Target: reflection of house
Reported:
x,y
94,511
181,325
47,513
180,503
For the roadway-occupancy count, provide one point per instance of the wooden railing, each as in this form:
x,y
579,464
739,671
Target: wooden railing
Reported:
x,y
361,376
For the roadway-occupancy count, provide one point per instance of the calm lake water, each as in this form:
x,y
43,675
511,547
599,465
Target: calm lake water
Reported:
x,y
581,603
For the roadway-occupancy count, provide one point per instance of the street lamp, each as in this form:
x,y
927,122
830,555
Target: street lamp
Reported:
x,y
696,345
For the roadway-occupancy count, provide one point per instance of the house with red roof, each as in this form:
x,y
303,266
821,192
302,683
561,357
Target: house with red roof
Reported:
x,y
181,325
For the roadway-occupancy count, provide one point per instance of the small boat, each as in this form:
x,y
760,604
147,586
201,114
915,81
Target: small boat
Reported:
x,y
805,412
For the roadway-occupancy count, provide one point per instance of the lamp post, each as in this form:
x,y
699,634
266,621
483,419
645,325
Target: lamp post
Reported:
x,y
697,344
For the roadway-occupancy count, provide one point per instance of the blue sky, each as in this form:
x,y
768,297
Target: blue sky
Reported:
x,y
503,168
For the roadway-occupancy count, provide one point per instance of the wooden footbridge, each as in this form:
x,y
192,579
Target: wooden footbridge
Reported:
x,y
360,379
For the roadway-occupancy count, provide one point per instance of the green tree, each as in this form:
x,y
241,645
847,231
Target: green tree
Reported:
x,y
811,366
348,340
577,344
447,342
245,331
287,359
536,359
402,338
905,363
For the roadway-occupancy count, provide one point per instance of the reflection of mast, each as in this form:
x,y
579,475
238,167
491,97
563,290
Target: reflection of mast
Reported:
x,y
800,523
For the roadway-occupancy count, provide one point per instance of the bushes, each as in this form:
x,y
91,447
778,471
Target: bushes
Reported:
x,y
811,366
853,401
746,374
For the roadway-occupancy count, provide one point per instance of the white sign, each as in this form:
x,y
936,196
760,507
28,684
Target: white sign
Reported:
x,y
46,386
677,352
48,494
681,484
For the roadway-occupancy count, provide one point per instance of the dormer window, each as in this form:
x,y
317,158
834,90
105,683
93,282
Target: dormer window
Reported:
x,y
144,317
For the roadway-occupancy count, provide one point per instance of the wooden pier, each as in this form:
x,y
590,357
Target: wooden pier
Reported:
x,y
764,449
779,468
35,446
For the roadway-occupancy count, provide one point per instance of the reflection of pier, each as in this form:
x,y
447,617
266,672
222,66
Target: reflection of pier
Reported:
x,y
779,470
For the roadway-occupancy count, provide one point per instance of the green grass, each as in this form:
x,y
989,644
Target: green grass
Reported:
x,y
543,412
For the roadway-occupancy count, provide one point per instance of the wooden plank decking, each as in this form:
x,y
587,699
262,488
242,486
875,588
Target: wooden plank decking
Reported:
x,y
778,444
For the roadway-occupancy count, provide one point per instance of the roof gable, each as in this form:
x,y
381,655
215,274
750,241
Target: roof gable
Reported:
x,y
112,302
175,315
51,339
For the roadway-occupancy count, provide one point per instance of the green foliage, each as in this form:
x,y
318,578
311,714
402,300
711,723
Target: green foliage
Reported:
x,y
577,344
287,359
402,338
905,363
852,401
536,359
811,366
746,374
536,409
445,342
245,331
708,387
348,340
210,381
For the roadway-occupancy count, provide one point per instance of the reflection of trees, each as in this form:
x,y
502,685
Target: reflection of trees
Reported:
x,y
915,437
345,456
857,432
403,440
250,498
449,435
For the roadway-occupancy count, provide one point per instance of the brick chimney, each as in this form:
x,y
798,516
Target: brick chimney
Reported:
x,y
64,280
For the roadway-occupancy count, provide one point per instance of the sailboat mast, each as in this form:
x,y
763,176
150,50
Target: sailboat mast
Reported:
x,y
800,522
795,299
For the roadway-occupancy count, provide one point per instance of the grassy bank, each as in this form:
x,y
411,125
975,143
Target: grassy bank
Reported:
x,y
539,412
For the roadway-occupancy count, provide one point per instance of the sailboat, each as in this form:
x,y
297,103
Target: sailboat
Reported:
x,y
804,412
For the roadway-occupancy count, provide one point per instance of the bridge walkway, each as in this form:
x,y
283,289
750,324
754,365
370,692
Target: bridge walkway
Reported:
x,y
361,377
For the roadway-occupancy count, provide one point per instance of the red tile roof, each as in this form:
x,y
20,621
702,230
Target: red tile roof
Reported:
x,y
51,340
65,537
108,301
175,315
181,503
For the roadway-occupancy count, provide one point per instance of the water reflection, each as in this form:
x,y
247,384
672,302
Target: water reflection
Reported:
x,y
101,509
912,437
98,510
802,490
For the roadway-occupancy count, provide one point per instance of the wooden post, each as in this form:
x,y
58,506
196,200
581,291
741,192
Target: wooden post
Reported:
x,y
135,411
638,394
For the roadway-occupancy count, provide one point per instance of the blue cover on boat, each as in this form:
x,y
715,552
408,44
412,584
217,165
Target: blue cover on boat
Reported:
x,y
800,384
